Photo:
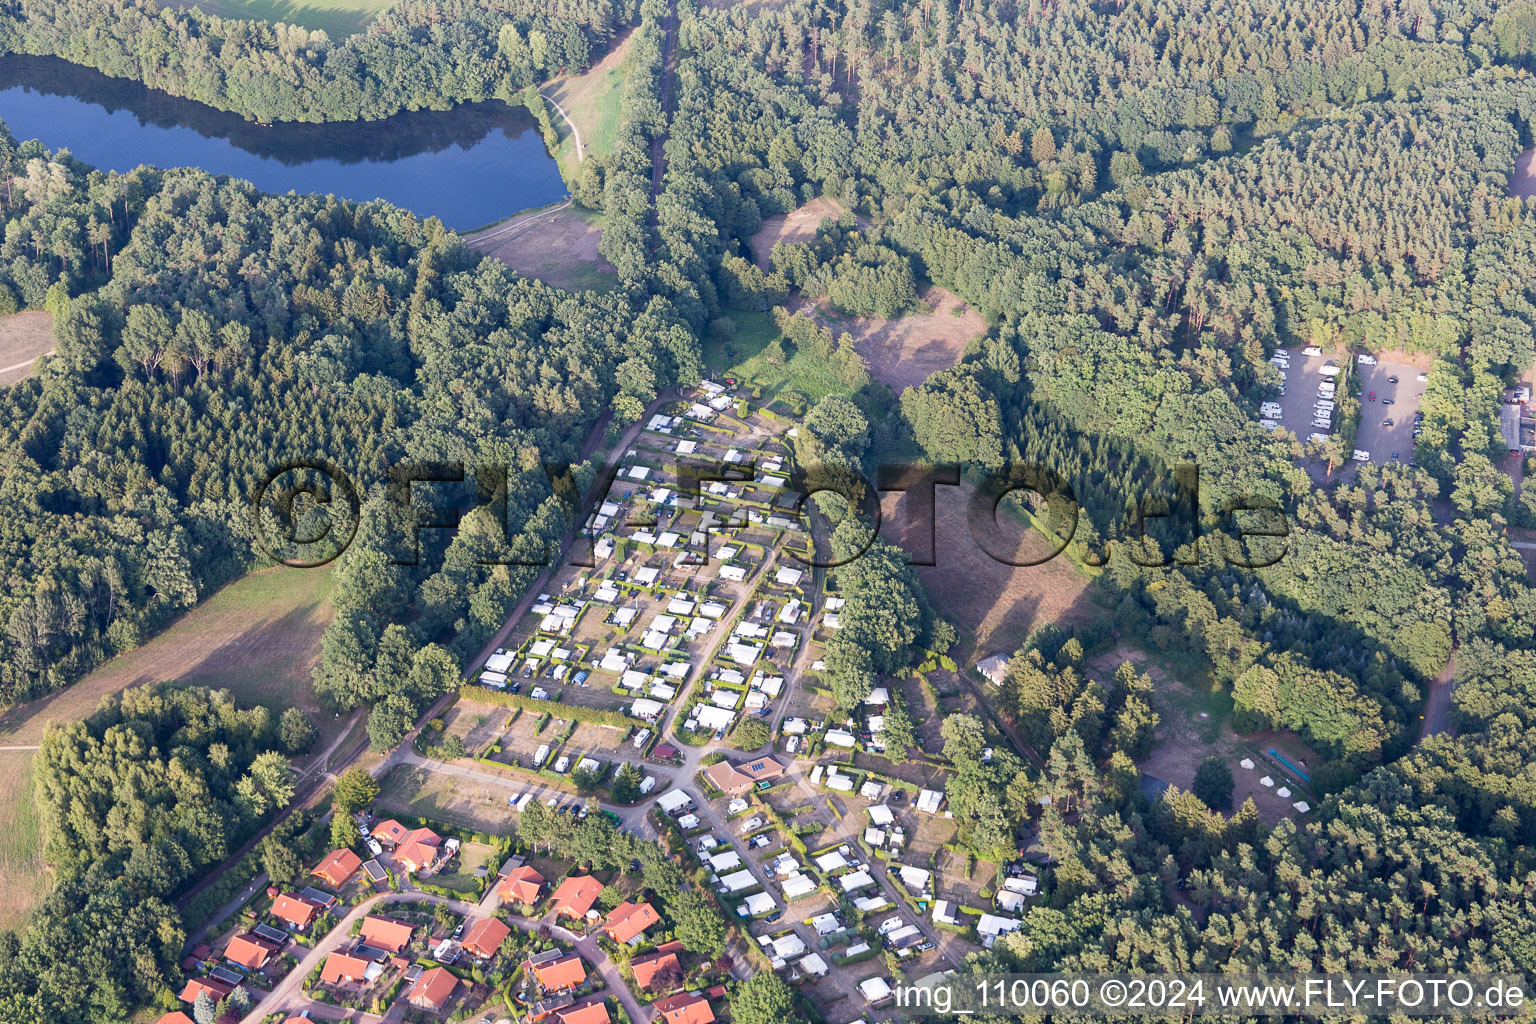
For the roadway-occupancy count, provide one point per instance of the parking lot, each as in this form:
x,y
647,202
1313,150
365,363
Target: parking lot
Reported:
x,y
1302,378
1396,401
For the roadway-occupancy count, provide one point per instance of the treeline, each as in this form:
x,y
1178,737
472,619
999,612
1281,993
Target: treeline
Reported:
x,y
136,802
419,54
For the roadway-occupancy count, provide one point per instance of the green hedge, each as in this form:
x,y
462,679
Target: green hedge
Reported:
x,y
576,713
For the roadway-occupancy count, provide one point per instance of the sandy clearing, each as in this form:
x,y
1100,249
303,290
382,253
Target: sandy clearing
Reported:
x,y
23,338
557,246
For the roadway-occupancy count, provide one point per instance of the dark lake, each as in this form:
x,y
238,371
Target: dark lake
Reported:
x,y
471,165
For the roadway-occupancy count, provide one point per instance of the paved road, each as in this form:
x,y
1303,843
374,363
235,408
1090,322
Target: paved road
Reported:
x,y
288,996
321,784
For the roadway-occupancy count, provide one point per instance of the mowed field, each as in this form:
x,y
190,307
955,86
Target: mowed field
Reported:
x,y
592,102
23,337
798,225
337,18
557,246
908,350
259,637
995,604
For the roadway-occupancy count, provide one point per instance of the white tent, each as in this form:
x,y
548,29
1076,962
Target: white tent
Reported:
x,y
1247,763
1267,782
1284,792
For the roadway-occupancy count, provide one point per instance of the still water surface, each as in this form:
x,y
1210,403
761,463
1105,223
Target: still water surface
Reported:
x,y
470,165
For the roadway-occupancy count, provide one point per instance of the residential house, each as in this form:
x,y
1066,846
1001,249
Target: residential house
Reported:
x,y
215,988
993,668
485,938
595,1012
556,970
684,1008
521,885
574,896
341,967
175,1017
294,912
337,868
647,967
433,989
734,780
244,951
391,833
629,921
419,850
386,934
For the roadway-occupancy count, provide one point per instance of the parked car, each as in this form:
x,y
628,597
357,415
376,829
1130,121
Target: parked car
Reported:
x,y
1392,379
1372,396
1386,401
1388,422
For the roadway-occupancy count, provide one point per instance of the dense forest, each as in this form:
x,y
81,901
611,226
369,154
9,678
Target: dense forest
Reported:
x,y
1143,206
419,54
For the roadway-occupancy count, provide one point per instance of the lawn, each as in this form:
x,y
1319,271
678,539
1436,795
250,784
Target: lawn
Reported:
x,y
23,874
743,358
259,637
592,101
337,18
446,798
462,878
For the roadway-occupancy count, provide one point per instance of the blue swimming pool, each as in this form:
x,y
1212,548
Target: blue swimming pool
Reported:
x,y
1287,762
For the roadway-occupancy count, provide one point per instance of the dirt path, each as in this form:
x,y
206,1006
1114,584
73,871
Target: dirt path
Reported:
x,y
575,132
659,143
1437,705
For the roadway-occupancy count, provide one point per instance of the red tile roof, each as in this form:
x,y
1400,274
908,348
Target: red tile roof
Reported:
x,y
175,1017
587,1013
521,884
645,967
384,933
629,920
484,939
247,952
215,988
390,831
685,1008
419,849
341,967
338,867
566,972
293,910
433,989
575,895
732,779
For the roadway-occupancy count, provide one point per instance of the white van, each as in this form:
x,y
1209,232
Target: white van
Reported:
x,y
1319,438
1266,424
540,754
1365,360
1311,350
1362,456
1324,404
1422,376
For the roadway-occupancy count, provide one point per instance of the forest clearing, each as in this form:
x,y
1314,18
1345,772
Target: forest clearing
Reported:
x,y
907,350
23,337
996,604
798,225
557,246
258,637
22,871
336,18
592,102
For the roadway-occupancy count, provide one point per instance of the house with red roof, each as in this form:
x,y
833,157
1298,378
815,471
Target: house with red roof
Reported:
x,y
418,850
647,967
175,1017
574,896
342,967
587,1013
521,885
485,938
195,987
433,989
385,933
557,973
391,833
337,868
735,780
294,912
684,1008
629,920
249,952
